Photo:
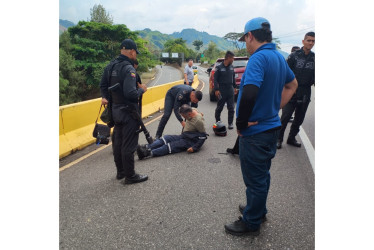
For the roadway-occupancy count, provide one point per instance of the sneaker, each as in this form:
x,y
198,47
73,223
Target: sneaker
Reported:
x,y
231,126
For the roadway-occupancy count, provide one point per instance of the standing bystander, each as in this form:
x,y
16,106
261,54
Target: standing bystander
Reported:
x,y
302,64
267,84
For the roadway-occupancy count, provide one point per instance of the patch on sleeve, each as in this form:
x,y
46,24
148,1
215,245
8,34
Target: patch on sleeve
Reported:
x,y
133,74
180,97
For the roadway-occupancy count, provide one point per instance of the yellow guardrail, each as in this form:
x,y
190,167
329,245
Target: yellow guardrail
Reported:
x,y
77,120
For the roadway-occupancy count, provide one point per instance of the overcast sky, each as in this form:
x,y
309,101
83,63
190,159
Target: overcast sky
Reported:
x,y
289,19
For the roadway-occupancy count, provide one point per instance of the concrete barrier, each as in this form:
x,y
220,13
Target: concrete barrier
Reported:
x,y
77,120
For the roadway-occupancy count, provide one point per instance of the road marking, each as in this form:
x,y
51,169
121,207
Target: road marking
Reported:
x,y
159,76
83,157
97,150
308,147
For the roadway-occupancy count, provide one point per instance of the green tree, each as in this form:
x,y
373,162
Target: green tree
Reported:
x,y
212,53
198,44
85,50
100,15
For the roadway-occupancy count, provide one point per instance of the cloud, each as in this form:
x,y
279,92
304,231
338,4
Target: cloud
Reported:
x,y
217,18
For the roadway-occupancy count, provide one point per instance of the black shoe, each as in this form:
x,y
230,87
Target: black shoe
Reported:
x,y
232,151
241,210
136,178
143,151
231,126
279,144
120,176
239,228
293,142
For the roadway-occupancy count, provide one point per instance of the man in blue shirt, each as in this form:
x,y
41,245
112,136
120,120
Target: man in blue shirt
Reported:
x,y
266,86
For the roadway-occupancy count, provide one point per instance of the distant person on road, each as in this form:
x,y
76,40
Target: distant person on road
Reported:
x,y
188,73
302,64
124,101
225,88
267,84
174,99
192,138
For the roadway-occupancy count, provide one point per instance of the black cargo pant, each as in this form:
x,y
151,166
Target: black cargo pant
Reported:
x,y
229,99
125,141
300,109
168,109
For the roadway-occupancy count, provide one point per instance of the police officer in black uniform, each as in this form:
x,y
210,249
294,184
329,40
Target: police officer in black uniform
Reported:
x,y
224,87
124,101
138,82
302,63
174,99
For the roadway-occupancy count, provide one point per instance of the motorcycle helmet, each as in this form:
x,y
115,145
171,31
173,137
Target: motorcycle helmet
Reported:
x,y
219,129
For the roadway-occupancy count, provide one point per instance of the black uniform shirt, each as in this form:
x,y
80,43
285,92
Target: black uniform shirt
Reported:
x,y
224,77
303,67
181,93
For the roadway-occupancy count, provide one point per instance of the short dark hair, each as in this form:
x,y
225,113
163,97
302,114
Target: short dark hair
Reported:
x,y
310,33
199,95
190,59
136,62
294,48
229,54
263,34
185,108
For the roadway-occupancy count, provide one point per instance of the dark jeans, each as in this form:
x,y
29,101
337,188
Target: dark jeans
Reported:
x,y
125,141
229,99
256,152
169,144
287,111
168,109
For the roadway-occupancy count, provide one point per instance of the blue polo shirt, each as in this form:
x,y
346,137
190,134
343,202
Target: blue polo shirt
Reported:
x,y
268,70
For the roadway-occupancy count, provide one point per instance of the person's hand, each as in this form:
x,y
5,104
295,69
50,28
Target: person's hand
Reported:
x,y
249,124
217,93
104,101
236,91
190,150
142,86
183,123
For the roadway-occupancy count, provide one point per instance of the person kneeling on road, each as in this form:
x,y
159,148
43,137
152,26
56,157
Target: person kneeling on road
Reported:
x,y
192,138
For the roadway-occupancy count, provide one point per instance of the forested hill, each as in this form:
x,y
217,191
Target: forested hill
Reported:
x,y
158,39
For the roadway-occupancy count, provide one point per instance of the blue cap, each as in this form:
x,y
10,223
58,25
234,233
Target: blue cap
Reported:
x,y
254,24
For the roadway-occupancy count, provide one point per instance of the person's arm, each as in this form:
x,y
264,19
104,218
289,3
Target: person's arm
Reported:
x,y
185,75
196,147
177,105
247,102
288,90
291,61
130,91
216,76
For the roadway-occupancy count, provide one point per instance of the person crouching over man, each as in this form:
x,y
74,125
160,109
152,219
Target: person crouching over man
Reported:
x,y
192,138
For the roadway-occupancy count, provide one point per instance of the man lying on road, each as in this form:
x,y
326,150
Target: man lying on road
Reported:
x,y
192,138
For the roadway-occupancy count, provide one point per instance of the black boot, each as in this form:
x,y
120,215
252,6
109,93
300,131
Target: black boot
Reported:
x,y
239,228
136,178
292,141
143,151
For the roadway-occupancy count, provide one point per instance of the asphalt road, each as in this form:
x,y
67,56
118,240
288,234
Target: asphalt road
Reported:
x,y
165,74
187,199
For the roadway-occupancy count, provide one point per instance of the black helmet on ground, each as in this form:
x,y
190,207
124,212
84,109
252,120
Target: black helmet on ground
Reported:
x,y
219,129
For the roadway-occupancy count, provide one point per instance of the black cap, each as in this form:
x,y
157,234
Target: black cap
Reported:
x,y
129,44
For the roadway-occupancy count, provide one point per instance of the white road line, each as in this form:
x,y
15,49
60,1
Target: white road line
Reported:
x,y
158,77
308,147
